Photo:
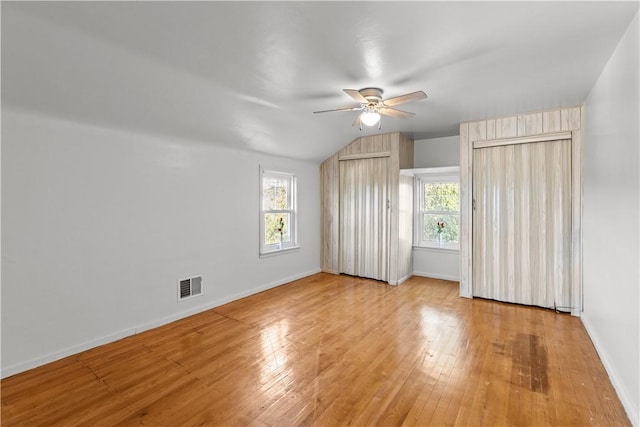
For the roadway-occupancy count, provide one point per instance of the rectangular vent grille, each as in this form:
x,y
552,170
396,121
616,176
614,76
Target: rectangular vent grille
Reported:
x,y
190,287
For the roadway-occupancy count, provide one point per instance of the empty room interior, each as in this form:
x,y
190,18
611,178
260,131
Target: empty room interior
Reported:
x,y
320,213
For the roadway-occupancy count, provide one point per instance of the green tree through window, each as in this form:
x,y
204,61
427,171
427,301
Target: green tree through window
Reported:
x,y
278,211
441,204
438,202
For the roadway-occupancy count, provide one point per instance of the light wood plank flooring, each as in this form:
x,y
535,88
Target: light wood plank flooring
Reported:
x,y
327,351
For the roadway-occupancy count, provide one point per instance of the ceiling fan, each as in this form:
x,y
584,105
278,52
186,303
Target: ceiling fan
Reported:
x,y
372,105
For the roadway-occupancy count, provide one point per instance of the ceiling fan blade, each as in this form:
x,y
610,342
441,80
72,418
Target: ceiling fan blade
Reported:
x,y
340,109
413,96
357,121
356,95
392,112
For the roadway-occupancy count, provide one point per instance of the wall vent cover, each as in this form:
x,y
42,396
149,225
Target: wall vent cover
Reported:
x,y
190,287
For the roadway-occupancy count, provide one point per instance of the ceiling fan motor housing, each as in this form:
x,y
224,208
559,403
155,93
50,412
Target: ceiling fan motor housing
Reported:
x,y
372,94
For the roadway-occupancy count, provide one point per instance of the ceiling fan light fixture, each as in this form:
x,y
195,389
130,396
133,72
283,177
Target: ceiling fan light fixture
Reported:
x,y
370,118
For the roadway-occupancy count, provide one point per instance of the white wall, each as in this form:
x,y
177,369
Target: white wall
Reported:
x,y
610,219
436,263
100,224
436,152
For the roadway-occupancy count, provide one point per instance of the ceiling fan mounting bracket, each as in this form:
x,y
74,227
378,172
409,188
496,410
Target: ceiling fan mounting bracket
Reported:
x,y
372,94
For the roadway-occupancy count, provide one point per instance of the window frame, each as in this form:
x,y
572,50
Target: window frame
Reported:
x,y
292,243
440,175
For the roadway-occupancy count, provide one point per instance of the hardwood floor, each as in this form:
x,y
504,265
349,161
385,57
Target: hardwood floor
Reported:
x,y
332,350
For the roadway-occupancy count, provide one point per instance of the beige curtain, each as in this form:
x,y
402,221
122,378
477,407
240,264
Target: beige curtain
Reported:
x,y
364,217
522,223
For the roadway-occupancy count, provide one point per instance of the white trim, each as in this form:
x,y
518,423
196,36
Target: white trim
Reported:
x,y
576,223
279,251
364,156
521,139
435,249
436,276
629,405
292,243
401,280
87,345
465,294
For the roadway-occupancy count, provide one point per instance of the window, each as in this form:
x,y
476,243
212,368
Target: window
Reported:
x,y
278,211
437,218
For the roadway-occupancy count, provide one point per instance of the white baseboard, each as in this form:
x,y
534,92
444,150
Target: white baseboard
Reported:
x,y
465,295
221,301
52,357
61,354
401,280
628,403
436,276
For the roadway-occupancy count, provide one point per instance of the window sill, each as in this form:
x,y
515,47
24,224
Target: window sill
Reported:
x,y
279,251
435,249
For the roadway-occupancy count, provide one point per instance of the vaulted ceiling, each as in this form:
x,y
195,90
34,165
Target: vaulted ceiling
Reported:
x,y
250,74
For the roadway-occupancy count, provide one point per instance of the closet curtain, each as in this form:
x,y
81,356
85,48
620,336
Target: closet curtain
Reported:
x,y
364,217
522,223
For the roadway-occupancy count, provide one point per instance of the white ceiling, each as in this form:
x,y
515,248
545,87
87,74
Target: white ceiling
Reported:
x,y
249,75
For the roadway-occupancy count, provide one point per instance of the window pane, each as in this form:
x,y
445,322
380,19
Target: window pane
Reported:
x,y
275,194
441,197
277,226
450,226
